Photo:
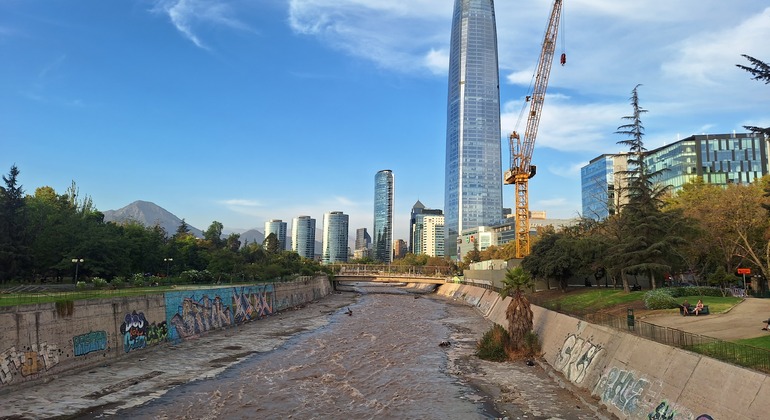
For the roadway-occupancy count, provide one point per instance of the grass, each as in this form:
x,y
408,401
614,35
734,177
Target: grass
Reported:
x,y
588,300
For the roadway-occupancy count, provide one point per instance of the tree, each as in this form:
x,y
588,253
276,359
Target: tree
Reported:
x,y
183,230
271,244
214,235
518,313
761,71
14,250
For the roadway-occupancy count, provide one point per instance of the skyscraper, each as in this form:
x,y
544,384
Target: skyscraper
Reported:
x,y
303,236
473,194
335,240
278,227
363,239
416,225
382,244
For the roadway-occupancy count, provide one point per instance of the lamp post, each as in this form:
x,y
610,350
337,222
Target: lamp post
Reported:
x,y
168,261
77,262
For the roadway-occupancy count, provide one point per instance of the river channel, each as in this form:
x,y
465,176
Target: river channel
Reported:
x,y
383,360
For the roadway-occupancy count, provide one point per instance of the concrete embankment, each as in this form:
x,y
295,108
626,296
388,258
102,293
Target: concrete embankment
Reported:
x,y
41,341
631,376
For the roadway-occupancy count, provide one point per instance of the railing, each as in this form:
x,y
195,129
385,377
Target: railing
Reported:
x,y
393,270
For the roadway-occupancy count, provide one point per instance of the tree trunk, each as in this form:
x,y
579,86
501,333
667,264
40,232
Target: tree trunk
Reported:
x,y
519,316
625,282
652,281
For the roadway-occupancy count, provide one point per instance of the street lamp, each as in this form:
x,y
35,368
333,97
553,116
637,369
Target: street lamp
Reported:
x,y
168,261
77,262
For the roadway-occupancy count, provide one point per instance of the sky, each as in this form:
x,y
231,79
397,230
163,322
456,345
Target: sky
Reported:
x,y
242,111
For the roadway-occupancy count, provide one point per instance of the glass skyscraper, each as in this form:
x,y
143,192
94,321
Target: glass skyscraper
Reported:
x,y
335,241
473,187
278,227
382,243
303,236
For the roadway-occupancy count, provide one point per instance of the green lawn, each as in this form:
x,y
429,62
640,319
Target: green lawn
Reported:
x,y
589,300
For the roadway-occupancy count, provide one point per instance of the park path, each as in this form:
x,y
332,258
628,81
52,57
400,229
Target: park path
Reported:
x,y
744,320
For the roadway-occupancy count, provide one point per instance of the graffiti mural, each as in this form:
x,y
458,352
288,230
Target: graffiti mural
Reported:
x,y
621,389
198,315
575,357
134,331
89,342
157,333
35,359
662,412
253,302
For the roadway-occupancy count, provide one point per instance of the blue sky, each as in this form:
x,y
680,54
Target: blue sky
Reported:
x,y
241,111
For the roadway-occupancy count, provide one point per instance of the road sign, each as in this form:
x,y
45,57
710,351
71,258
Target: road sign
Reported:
x,y
744,271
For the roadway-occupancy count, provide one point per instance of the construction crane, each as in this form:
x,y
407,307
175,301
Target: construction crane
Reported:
x,y
521,148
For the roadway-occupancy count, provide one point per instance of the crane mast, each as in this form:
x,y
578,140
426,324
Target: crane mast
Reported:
x,y
521,148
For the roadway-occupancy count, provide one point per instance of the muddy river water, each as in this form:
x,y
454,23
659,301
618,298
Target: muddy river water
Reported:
x,y
383,360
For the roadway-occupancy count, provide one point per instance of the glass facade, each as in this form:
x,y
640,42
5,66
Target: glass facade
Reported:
x,y
278,227
335,240
718,159
473,193
382,243
303,236
363,239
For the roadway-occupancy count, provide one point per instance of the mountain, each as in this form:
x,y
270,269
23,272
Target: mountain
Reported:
x,y
252,235
148,214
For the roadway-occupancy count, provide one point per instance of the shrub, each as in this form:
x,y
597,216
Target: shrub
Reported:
x,y
660,299
99,283
81,285
492,345
118,282
531,344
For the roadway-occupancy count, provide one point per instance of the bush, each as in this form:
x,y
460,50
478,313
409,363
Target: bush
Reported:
x,y
693,291
99,283
118,282
492,345
660,299
531,344
81,285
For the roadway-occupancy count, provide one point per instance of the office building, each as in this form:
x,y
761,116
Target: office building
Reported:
x,y
719,159
363,239
335,238
473,183
432,233
419,211
278,227
382,242
399,248
303,236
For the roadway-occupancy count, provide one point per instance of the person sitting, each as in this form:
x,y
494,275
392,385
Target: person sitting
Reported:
x,y
698,307
767,324
684,308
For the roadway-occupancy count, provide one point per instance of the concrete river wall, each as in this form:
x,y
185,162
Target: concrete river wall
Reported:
x,y
43,340
634,377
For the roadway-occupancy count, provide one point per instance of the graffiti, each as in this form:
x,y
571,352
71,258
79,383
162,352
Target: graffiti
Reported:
x,y
704,417
249,305
575,357
662,412
89,342
198,316
134,330
157,333
34,360
621,389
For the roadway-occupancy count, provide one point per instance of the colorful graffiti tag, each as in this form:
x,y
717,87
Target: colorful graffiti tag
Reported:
x,y
196,316
89,342
157,333
134,331
575,357
36,359
621,389
251,304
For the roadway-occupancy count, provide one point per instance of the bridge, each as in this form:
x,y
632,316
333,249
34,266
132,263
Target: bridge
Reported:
x,y
393,274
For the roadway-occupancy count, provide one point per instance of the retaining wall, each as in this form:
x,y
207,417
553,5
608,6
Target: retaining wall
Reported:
x,y
38,341
634,377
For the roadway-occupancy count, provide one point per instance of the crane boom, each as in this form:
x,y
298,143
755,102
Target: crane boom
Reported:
x,y
521,148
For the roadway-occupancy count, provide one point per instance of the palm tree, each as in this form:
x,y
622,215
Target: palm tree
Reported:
x,y
518,313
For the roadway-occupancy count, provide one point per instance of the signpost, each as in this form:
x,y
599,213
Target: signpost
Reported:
x,y
744,271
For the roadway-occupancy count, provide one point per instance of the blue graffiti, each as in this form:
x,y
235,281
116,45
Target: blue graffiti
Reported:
x,y
134,330
89,342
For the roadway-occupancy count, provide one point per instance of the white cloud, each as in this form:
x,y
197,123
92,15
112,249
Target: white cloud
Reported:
x,y
188,15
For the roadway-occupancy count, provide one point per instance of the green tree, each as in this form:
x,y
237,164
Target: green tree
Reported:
x,y
271,244
518,313
14,247
214,235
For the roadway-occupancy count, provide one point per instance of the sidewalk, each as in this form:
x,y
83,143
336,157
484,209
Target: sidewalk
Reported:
x,y
744,320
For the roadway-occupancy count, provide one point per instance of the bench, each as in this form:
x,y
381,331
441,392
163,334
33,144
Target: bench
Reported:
x,y
691,310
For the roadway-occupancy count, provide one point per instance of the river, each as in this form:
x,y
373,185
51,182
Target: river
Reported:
x,y
381,361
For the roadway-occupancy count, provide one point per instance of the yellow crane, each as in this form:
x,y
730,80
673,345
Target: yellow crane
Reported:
x,y
521,148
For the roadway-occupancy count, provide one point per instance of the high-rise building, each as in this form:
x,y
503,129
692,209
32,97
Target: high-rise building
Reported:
x,y
416,227
303,236
278,227
719,159
335,240
473,183
603,187
433,235
363,239
382,242
399,248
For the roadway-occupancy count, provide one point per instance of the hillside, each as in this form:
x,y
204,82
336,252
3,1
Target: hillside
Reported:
x,y
148,214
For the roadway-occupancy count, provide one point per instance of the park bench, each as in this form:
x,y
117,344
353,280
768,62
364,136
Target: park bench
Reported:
x,y
691,310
